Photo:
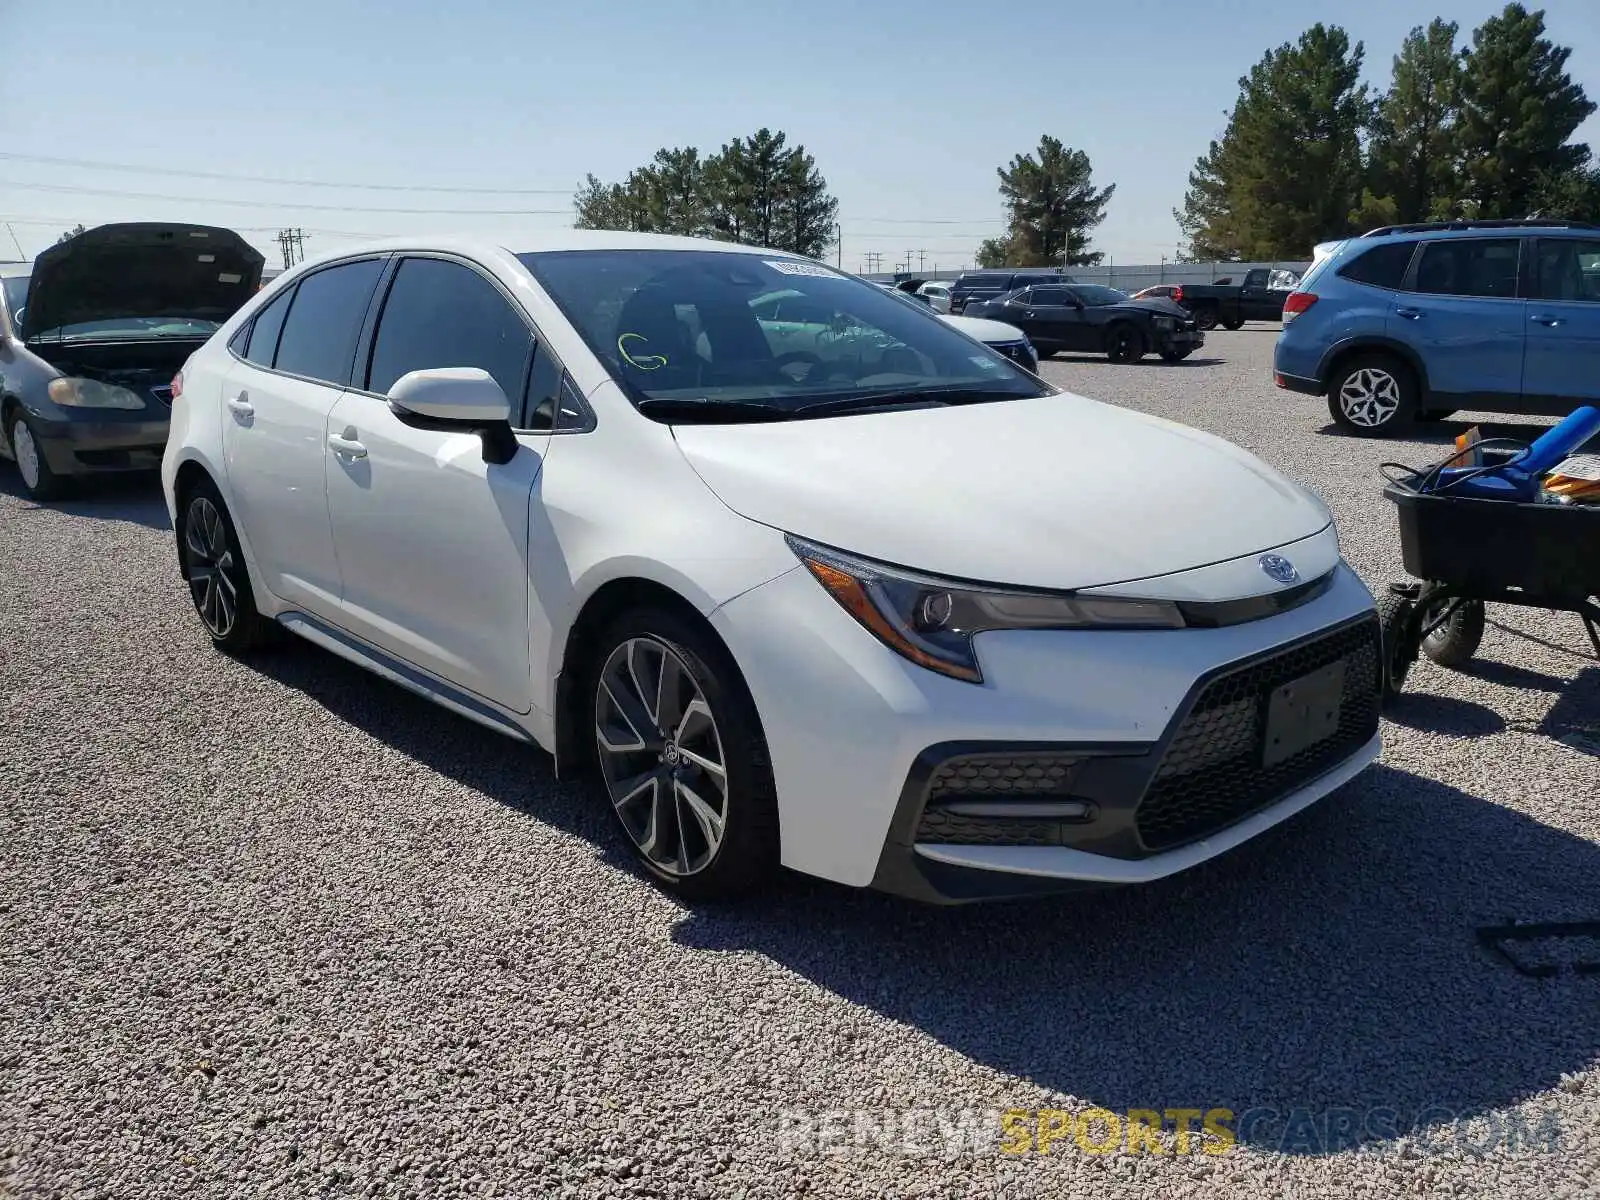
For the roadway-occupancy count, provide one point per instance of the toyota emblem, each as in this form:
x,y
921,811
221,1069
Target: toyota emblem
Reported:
x,y
1278,568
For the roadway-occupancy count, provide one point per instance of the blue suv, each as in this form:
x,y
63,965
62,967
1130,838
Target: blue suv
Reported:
x,y
1414,322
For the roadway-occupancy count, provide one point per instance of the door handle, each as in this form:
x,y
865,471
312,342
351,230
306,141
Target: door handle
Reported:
x,y
1545,319
241,407
346,447
1410,314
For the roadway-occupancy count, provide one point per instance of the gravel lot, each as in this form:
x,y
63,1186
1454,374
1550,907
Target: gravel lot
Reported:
x,y
285,930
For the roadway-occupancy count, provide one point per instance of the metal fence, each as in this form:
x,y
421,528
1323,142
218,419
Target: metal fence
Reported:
x,y
1137,276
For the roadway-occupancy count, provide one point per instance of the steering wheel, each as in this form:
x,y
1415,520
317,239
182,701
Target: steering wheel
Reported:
x,y
812,361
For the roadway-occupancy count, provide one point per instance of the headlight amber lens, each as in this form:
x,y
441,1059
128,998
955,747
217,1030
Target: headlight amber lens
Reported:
x,y
91,393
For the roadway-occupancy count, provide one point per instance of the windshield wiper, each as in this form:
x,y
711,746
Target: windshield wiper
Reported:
x,y
869,401
712,411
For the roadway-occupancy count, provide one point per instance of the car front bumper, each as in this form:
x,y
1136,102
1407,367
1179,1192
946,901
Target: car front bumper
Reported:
x,y
1179,339
1157,734
133,441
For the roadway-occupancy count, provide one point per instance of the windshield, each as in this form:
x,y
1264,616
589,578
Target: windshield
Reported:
x,y
1094,296
132,328
726,329
16,290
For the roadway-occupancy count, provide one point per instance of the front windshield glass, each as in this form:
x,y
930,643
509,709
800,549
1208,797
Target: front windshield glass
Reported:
x,y
781,334
133,328
1095,296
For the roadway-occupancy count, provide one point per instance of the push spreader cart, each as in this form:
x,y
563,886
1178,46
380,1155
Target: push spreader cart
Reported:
x,y
1468,550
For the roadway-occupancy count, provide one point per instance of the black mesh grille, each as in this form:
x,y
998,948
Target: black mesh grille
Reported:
x,y
1212,774
1000,777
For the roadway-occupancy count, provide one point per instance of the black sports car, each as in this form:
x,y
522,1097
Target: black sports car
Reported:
x,y
1100,320
92,336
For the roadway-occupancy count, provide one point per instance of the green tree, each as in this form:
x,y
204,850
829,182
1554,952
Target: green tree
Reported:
x,y
993,252
756,190
1413,149
1519,107
71,233
1052,208
1288,170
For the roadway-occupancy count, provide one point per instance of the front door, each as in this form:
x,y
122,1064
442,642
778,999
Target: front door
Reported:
x,y
432,541
1561,366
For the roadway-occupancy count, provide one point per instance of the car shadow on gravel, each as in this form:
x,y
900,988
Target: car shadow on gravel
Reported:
x,y
1443,434
1330,964
135,498
1149,361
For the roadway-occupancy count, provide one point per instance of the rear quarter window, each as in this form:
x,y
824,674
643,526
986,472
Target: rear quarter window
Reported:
x,y
1384,265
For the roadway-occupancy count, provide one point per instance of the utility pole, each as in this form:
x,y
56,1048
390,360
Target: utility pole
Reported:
x,y
922,261
292,246
838,244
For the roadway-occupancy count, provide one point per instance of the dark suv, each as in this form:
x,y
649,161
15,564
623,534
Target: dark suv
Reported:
x,y
991,285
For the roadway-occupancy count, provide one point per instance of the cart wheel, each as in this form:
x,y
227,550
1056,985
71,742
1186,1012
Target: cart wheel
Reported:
x,y
1454,643
1397,624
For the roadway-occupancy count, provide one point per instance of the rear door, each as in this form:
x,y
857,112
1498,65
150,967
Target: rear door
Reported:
x,y
277,397
432,541
1460,311
1561,364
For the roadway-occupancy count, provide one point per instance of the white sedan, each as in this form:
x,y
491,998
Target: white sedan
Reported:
x,y
883,607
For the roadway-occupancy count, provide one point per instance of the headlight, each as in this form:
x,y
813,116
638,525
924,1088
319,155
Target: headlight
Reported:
x,y
90,393
932,621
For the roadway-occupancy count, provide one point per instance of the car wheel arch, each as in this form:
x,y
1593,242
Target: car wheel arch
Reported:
x,y
609,601
1342,353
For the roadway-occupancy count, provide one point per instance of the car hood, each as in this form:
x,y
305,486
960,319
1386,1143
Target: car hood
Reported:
x,y
1054,492
982,330
1154,304
145,269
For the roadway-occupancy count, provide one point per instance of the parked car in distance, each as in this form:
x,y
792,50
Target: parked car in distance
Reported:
x,y
1007,339
938,295
972,286
91,335
1414,322
886,609
1098,320
1259,298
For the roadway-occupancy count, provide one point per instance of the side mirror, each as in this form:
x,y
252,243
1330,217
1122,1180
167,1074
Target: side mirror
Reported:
x,y
460,399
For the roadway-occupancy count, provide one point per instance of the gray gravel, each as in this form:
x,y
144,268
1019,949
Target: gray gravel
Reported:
x,y
284,930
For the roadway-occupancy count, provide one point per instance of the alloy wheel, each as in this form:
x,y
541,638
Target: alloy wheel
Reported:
x,y
661,756
26,452
210,561
1369,397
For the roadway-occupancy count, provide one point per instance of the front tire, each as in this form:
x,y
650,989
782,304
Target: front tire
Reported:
x,y
1396,615
1373,395
1125,343
1453,643
38,480
219,583
1233,324
680,757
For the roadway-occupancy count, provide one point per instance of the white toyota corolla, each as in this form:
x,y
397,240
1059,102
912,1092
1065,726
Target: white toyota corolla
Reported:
x,y
796,572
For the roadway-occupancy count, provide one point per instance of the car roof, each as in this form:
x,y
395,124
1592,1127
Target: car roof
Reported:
x,y
534,241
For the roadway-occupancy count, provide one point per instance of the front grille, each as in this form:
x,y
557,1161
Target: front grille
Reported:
x,y
1011,779
1212,774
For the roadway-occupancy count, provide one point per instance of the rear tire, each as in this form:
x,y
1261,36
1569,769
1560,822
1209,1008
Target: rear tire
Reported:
x,y
1373,395
38,480
219,581
1125,343
1206,318
1455,642
680,758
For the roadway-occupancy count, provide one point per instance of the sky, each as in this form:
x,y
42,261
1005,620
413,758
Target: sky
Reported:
x,y
489,113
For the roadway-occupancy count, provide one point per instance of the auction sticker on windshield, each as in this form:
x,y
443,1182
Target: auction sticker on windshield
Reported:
x,y
784,267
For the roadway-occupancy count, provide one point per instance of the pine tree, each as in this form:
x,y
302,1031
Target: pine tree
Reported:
x,y
1052,207
1519,107
1413,152
1288,171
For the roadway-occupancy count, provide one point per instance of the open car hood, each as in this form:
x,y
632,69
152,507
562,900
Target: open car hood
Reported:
x,y
143,269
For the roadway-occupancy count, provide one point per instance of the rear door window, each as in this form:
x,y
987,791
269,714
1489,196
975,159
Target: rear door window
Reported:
x,y
1567,269
1384,265
1481,267
263,342
319,334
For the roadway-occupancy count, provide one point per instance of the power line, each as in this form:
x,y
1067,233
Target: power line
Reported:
x,y
321,183
293,207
